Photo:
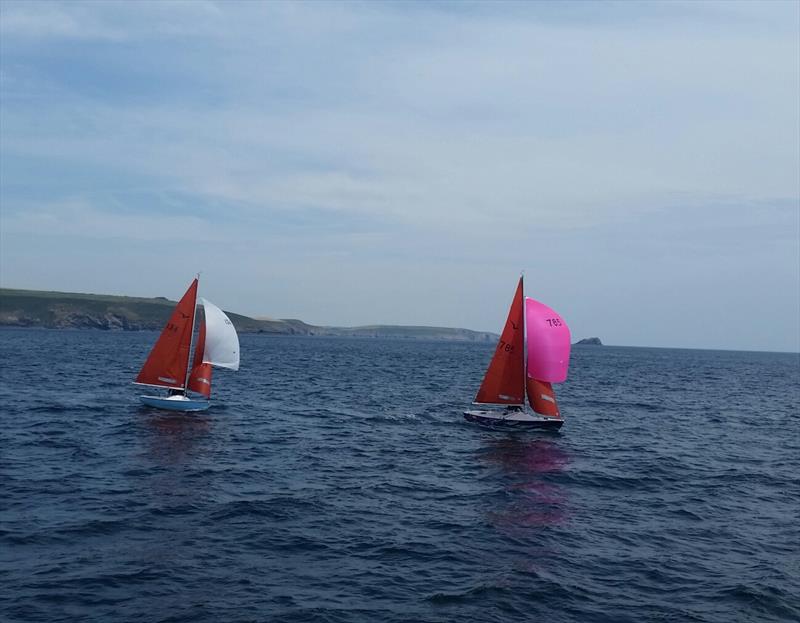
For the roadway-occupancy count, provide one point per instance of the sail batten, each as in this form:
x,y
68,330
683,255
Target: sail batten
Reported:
x,y
504,382
167,363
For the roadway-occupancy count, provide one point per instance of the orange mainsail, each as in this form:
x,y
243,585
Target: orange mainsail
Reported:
x,y
168,361
200,377
504,382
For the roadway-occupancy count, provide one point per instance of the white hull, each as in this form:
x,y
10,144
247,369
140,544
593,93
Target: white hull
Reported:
x,y
512,419
175,403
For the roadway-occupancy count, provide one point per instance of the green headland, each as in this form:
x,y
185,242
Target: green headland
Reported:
x,y
71,310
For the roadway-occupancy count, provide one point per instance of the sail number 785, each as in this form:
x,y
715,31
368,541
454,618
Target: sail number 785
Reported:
x,y
553,322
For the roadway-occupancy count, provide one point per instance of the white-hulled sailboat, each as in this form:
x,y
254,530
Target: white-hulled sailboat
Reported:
x,y
168,364
523,366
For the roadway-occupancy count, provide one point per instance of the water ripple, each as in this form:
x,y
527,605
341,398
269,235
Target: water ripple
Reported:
x,y
335,480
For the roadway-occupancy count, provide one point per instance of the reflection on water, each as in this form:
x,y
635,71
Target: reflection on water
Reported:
x,y
531,497
532,456
173,477
174,468
174,437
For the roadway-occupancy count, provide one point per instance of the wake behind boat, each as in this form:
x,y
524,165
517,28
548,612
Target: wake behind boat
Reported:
x,y
168,367
519,368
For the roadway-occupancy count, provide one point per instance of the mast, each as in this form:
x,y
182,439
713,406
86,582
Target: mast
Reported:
x,y
524,353
191,339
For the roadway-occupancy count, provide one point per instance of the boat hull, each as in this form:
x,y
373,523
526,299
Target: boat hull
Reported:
x,y
512,420
175,403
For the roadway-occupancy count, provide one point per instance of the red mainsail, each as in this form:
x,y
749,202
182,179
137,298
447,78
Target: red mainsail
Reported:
x,y
542,398
200,377
504,382
167,363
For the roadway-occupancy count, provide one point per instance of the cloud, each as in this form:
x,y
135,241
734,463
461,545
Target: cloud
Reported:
x,y
395,136
106,21
80,219
455,119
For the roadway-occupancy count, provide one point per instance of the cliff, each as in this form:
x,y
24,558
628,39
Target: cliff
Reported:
x,y
68,310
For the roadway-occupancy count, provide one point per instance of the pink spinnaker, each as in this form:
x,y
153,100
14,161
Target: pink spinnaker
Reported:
x,y
548,343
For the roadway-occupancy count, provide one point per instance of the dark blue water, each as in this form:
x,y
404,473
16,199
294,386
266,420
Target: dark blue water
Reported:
x,y
335,480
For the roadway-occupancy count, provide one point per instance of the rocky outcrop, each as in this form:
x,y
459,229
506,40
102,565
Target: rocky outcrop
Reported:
x,y
17,319
108,322
589,341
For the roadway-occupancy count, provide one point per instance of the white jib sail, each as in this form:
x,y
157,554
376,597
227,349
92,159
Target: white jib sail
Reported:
x,y
222,343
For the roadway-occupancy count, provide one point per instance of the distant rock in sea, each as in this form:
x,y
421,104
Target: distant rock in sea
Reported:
x,y
589,341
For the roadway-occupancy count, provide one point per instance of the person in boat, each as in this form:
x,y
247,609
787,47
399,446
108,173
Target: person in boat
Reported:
x,y
174,392
513,409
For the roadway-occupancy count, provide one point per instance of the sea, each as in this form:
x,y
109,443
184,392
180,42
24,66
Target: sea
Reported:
x,y
335,480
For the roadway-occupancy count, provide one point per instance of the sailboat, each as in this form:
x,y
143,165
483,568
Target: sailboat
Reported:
x,y
170,364
523,366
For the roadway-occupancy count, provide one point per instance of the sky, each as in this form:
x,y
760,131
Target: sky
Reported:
x,y
351,163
